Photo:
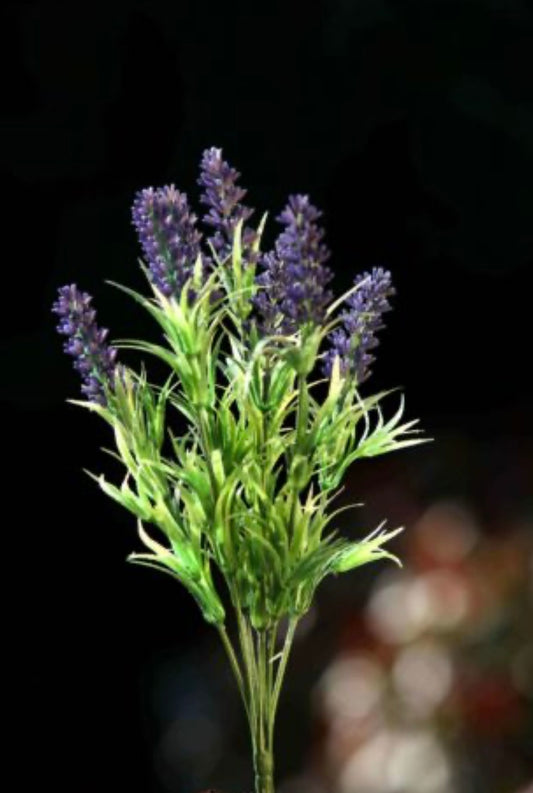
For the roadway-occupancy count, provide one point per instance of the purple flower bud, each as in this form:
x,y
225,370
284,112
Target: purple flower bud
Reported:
x,y
94,360
353,342
223,197
294,276
167,232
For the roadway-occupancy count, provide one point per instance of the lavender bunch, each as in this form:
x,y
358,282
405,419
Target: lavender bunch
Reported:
x,y
94,359
247,488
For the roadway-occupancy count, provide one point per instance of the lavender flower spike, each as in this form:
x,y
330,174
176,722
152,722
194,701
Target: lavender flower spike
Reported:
x,y
223,197
294,275
95,360
353,342
168,236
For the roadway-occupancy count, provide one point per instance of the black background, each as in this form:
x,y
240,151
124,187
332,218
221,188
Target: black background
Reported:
x,y
409,123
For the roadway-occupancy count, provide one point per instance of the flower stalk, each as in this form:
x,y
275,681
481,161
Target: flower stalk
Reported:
x,y
265,673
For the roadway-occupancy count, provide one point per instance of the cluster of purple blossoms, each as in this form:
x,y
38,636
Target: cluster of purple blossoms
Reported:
x,y
353,342
294,276
167,232
94,359
293,279
223,197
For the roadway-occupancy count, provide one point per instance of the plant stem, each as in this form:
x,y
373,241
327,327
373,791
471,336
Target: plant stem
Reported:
x,y
261,737
280,674
271,651
301,420
248,655
302,410
260,688
206,448
234,663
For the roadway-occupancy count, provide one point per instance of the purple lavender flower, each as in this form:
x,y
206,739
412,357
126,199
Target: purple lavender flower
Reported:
x,y
353,342
167,232
223,197
95,360
294,276
268,299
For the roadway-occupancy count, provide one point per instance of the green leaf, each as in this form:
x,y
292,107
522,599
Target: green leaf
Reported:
x,y
368,550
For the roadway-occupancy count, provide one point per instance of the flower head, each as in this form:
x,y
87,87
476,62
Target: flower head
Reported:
x,y
223,197
94,359
353,342
294,275
167,232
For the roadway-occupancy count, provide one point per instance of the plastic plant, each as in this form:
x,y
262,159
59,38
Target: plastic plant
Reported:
x,y
247,488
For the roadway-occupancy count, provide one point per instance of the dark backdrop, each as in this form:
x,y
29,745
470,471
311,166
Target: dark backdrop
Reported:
x,y
409,123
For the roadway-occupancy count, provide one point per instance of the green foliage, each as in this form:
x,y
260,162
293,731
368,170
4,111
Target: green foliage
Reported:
x,y
247,487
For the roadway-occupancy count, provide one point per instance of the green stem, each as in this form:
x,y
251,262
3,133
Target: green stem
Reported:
x,y
261,738
234,664
263,693
280,674
249,666
264,425
206,449
302,411
260,688
271,651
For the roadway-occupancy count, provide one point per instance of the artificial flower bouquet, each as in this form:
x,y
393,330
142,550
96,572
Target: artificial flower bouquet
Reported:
x,y
246,489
